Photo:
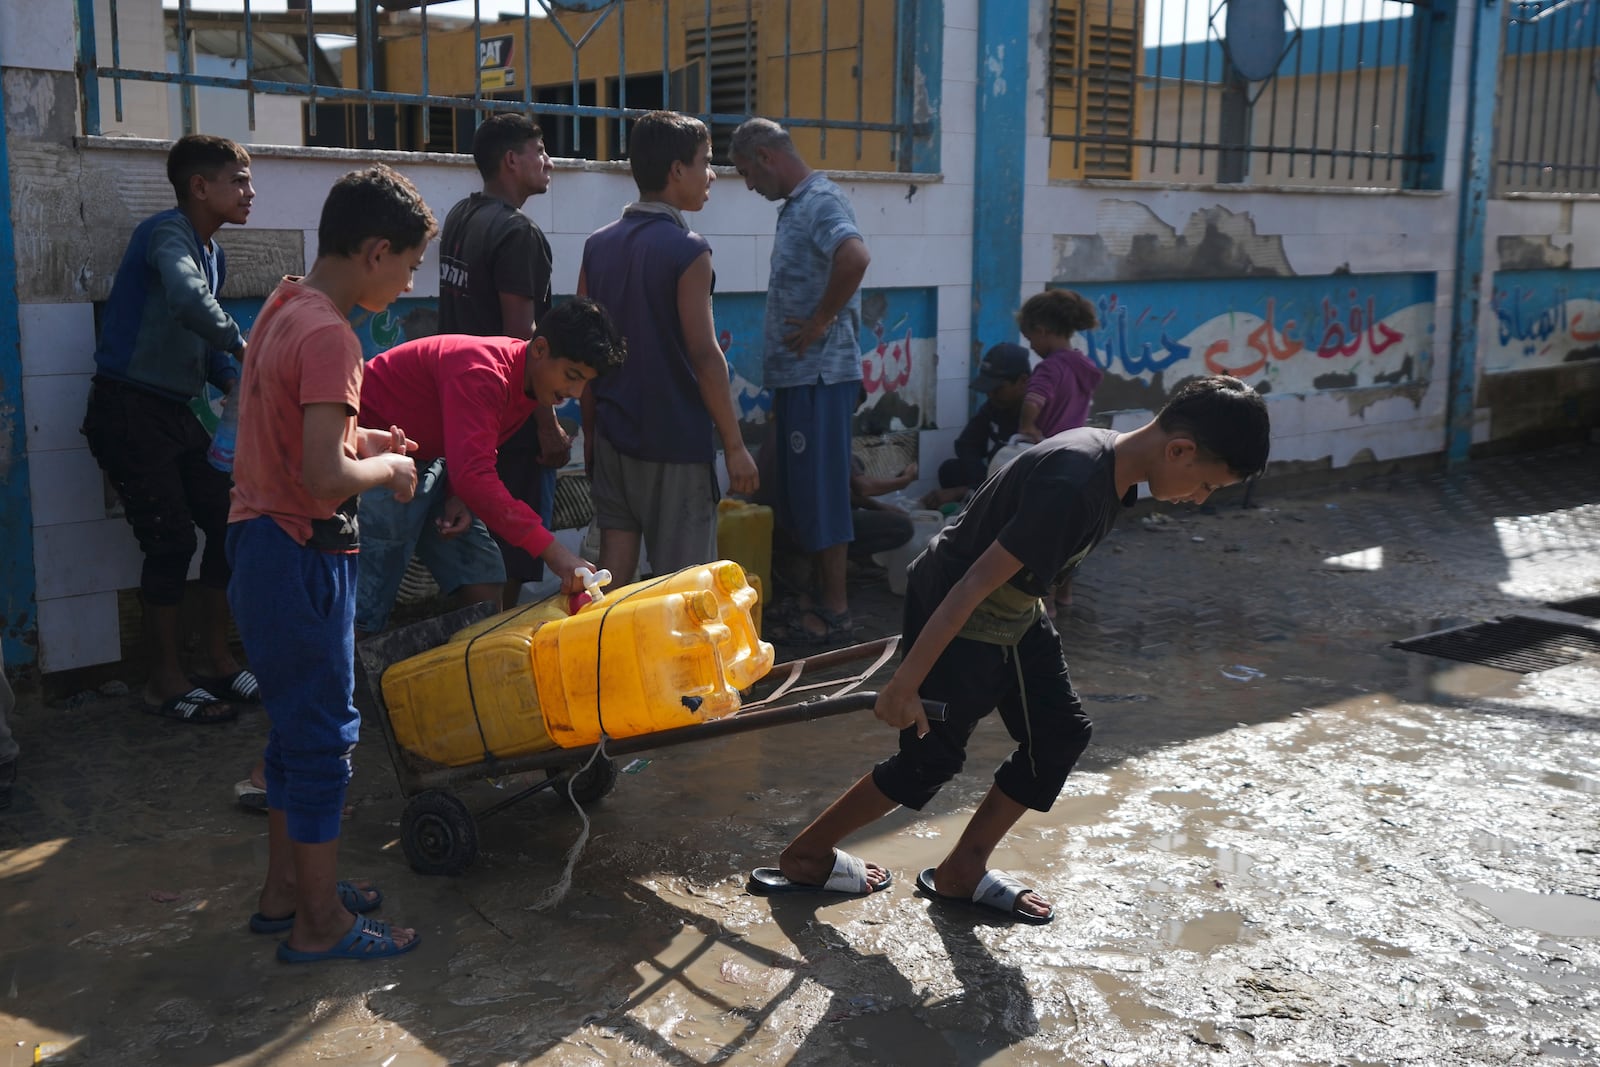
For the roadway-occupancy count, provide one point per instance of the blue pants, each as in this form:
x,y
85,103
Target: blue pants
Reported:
x,y
295,609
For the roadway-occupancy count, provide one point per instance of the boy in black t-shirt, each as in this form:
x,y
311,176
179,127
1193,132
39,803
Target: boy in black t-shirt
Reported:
x,y
977,638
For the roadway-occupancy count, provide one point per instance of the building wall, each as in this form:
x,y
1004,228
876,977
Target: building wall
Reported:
x,y
226,112
1276,284
1339,302
1539,330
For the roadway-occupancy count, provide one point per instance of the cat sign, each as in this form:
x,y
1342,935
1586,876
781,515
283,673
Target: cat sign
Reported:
x,y
494,63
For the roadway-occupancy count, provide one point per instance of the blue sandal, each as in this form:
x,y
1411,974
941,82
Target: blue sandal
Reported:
x,y
369,939
352,896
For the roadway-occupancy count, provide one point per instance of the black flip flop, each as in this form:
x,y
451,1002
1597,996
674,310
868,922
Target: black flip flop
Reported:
x,y
241,686
196,706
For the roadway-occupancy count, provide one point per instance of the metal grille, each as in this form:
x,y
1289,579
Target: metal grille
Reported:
x,y
1511,644
1155,89
584,66
730,75
1549,120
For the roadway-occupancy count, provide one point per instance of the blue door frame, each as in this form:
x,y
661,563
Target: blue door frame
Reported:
x,y
18,609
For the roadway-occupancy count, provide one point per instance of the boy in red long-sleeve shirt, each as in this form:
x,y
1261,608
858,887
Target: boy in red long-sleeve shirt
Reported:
x,y
461,397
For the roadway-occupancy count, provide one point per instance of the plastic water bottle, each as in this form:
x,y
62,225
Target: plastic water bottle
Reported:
x,y
220,454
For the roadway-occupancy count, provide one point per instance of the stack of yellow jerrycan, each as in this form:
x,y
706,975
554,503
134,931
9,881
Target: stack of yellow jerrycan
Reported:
x,y
744,535
656,655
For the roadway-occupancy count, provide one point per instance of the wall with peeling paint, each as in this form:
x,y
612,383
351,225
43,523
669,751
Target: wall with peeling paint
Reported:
x,y
1199,279
1540,324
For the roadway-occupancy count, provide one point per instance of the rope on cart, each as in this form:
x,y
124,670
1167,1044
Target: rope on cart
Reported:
x,y
557,892
472,696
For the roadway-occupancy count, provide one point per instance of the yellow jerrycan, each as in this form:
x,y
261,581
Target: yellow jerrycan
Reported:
x,y
744,535
473,697
673,651
655,655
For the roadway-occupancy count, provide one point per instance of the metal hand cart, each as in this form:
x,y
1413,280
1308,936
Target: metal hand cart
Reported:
x,y
439,832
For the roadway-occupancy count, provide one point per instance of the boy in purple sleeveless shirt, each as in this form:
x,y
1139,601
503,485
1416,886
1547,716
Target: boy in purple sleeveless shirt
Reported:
x,y
652,427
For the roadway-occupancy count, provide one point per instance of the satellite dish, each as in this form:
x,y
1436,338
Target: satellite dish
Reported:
x,y
1255,37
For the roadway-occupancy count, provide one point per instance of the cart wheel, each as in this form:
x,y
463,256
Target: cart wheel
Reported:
x,y
438,834
591,784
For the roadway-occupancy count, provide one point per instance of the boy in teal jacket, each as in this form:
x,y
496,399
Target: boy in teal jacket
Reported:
x,y
163,336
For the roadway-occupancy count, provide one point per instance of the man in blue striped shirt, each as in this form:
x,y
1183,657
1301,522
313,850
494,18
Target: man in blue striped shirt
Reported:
x,y
812,365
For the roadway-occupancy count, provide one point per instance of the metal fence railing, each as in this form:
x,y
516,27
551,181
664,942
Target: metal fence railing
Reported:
x,y
1548,133
1322,92
392,75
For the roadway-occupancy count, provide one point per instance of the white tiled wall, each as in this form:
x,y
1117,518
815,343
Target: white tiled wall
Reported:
x,y
80,556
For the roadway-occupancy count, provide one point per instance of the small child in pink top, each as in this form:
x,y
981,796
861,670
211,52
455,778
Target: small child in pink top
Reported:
x,y
1062,385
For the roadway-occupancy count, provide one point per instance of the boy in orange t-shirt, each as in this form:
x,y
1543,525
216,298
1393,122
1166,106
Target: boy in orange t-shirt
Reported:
x,y
300,462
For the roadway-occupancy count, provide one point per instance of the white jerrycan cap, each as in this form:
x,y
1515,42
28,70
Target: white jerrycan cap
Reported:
x,y
592,581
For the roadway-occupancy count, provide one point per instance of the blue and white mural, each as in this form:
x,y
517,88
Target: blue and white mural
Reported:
x,y
899,365
1543,318
1291,334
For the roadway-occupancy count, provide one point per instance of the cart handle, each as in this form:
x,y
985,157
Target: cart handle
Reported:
x,y
738,723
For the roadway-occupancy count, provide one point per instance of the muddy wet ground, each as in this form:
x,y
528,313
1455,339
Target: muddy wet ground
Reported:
x,y
1288,844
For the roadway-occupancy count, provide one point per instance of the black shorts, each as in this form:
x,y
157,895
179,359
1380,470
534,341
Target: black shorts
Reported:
x,y
153,450
1030,686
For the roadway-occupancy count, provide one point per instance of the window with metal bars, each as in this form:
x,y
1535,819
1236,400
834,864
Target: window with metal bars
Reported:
x,y
1548,134
1094,100
379,76
1334,92
727,55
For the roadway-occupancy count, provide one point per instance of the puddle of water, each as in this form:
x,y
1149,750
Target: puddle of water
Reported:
x,y
1210,930
1384,948
1486,842
1564,1050
1557,914
1223,860
1181,799
1449,682
1126,1000
1577,782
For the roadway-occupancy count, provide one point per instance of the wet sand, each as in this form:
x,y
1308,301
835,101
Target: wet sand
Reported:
x,y
1288,843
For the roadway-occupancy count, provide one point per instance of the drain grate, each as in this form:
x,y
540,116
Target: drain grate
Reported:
x,y
1583,605
1511,644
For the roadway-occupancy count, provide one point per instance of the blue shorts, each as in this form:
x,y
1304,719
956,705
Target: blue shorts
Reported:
x,y
813,483
392,532
294,607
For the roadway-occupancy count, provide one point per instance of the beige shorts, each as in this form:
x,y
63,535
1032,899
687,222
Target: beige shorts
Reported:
x,y
672,505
